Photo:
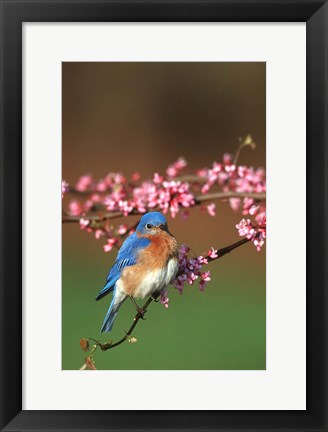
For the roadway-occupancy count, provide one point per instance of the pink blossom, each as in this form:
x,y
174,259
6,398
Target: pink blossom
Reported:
x,y
258,243
234,203
164,300
211,209
184,214
212,253
110,204
174,169
202,172
157,179
223,179
111,242
125,207
206,276
202,260
227,159
118,178
102,186
205,188
99,233
75,208
135,177
253,210
84,183
184,249
122,229
230,168
179,282
65,187
84,224
92,201
261,218
245,228
247,205
202,284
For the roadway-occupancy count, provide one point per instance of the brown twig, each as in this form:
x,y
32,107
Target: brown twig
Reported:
x,y
248,141
227,195
224,251
198,200
140,314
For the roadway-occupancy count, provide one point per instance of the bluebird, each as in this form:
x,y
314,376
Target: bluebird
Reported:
x,y
146,263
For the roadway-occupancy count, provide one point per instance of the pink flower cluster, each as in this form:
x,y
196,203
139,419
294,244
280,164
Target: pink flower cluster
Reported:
x,y
254,231
170,193
175,169
191,269
164,195
84,183
107,230
116,194
233,178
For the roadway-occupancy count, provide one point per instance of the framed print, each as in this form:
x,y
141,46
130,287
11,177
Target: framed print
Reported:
x,y
140,289
165,90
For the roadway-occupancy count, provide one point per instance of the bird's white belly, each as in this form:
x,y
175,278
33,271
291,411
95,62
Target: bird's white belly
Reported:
x,y
156,280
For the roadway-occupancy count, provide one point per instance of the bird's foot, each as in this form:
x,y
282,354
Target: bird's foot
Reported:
x,y
140,310
155,298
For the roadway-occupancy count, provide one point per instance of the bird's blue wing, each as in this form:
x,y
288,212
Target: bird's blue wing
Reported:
x,y
127,256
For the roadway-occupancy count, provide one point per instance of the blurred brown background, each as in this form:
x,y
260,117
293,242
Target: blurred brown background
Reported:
x,y
129,117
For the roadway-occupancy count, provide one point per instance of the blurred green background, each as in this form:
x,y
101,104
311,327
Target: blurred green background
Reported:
x,y
129,117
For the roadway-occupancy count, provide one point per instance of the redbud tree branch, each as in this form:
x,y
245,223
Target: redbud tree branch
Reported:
x,y
198,200
140,314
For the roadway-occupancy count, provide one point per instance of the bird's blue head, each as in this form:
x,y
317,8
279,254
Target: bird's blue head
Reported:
x,y
152,223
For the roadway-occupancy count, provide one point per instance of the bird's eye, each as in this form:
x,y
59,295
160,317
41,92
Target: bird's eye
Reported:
x,y
149,226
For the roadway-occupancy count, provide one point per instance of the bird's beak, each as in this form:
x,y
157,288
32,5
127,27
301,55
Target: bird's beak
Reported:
x,y
163,227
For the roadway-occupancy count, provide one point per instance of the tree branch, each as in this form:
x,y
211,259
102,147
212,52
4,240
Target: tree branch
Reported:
x,y
198,200
224,251
227,195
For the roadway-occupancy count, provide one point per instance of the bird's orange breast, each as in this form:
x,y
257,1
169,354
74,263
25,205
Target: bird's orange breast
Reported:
x,y
154,257
163,246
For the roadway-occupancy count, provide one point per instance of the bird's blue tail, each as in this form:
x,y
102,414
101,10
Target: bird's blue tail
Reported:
x,y
117,301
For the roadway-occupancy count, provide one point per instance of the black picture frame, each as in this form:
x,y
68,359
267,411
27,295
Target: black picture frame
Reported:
x,y
13,14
